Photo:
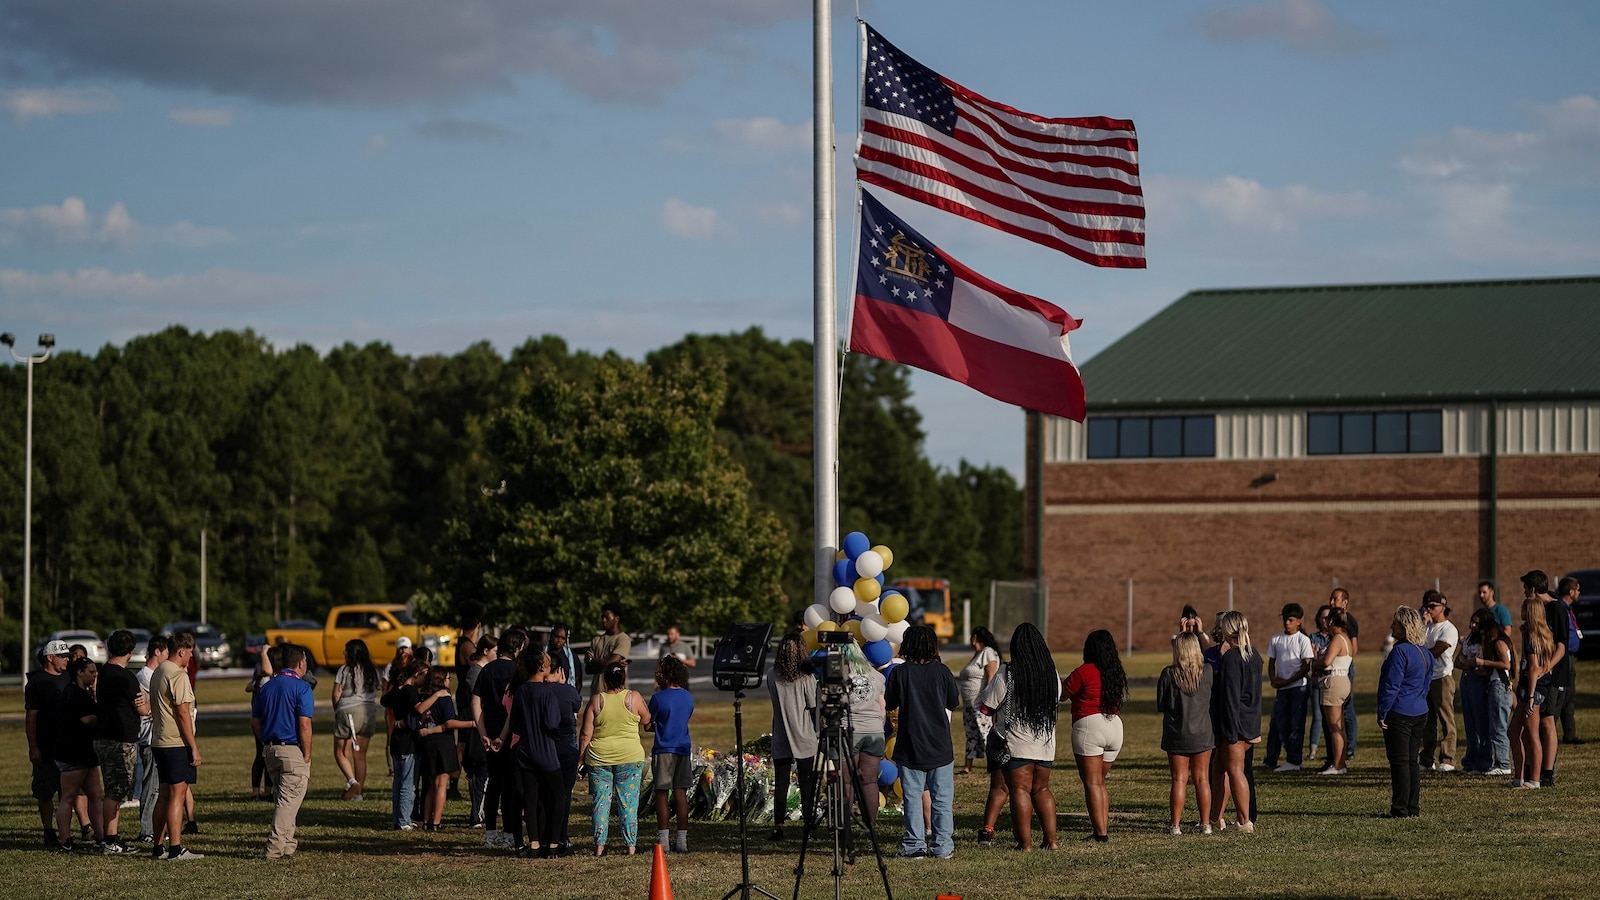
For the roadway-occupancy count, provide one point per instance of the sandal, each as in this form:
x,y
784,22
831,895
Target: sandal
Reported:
x,y
985,837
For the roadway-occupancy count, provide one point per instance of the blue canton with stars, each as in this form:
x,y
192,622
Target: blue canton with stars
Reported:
x,y
897,83
899,266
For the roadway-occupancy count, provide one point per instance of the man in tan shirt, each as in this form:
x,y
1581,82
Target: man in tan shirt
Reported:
x,y
173,744
612,641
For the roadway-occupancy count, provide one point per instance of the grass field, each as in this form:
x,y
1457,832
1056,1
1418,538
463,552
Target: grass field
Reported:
x,y
1315,837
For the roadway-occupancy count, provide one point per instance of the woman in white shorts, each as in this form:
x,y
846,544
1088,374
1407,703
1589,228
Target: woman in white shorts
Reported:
x,y
1097,689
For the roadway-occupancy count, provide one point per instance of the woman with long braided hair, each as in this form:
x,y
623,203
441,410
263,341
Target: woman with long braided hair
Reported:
x,y
1097,689
1024,698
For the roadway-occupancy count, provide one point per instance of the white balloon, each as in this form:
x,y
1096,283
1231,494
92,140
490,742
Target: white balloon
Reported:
x,y
869,564
897,632
866,608
843,600
816,613
874,628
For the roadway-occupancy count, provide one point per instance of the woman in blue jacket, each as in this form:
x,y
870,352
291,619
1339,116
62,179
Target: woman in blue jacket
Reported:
x,y
1402,711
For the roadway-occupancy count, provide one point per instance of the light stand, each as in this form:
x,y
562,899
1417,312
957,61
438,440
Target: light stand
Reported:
x,y
46,341
739,665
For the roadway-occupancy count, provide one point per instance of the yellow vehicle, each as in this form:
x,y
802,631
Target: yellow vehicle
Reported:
x,y
381,625
930,604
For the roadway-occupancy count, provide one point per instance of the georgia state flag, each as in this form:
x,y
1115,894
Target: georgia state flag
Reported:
x,y
915,305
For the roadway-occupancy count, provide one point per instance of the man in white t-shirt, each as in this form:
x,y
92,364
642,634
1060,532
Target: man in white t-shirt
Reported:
x,y
156,653
1289,656
1440,639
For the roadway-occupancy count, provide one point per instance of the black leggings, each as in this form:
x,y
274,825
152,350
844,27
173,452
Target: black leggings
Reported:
x,y
569,777
808,788
541,803
504,795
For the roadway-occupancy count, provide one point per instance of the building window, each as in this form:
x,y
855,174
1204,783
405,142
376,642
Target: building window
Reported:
x,y
1140,437
1415,431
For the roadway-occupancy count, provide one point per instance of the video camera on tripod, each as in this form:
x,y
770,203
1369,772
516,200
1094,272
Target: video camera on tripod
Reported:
x,y
833,701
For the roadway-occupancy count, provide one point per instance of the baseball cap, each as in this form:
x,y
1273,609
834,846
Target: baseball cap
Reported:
x,y
56,648
403,642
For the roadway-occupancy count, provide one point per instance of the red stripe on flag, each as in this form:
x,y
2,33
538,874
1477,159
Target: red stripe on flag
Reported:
x,y
998,370
976,215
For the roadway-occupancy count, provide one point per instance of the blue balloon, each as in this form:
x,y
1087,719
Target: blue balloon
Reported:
x,y
855,544
878,653
890,669
879,577
844,573
888,773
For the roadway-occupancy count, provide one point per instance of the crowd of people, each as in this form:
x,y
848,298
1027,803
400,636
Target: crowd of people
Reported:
x,y
519,722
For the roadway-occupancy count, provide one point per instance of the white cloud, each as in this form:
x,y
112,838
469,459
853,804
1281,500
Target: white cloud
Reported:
x,y
684,220
71,224
1303,25
1564,147
1248,205
764,133
202,118
26,104
228,288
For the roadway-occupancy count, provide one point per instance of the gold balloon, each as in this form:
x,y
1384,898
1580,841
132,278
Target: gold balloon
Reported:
x,y
811,639
854,627
828,625
868,589
887,554
894,608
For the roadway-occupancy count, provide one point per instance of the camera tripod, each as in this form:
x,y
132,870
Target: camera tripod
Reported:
x,y
833,759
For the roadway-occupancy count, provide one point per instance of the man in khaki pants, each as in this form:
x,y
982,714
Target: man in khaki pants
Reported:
x,y
280,714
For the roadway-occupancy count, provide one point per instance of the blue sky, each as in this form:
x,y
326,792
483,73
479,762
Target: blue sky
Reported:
x,y
623,173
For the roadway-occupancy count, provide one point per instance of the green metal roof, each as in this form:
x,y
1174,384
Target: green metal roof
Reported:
x,y
1366,343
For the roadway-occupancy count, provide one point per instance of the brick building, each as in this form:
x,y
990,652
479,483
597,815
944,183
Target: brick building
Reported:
x,y
1256,447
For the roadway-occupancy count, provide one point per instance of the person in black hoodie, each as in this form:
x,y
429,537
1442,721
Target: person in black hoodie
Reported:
x,y
403,697
535,720
1235,718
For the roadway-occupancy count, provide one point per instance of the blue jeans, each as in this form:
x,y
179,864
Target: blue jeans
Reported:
x,y
1498,709
1287,730
404,794
941,783
1475,716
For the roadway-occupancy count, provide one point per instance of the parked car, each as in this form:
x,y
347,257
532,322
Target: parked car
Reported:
x,y
211,648
89,640
141,644
254,646
1587,609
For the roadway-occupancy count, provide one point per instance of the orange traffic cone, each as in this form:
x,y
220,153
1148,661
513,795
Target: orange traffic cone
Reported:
x,y
660,884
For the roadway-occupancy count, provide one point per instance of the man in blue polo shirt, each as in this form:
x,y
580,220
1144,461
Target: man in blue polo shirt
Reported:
x,y
280,714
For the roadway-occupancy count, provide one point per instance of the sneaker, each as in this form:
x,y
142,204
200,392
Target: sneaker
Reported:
x,y
1246,827
151,839
61,848
113,848
505,840
912,854
131,803
1514,783
184,855
406,827
1500,772
1205,828
491,838
352,790
1531,785
1332,771
1445,767
1287,767
1311,755
985,837
1174,830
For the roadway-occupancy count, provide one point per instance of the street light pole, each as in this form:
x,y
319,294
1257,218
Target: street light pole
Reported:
x,y
46,341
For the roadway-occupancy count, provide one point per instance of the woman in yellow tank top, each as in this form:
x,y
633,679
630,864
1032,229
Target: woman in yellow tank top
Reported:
x,y
609,745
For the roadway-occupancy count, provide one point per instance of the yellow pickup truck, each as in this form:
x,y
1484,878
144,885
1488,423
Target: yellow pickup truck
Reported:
x,y
380,625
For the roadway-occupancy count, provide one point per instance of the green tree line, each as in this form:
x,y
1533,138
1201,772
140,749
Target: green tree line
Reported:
x,y
534,486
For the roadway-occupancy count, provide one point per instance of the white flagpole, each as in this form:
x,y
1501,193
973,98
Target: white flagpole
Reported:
x,y
825,390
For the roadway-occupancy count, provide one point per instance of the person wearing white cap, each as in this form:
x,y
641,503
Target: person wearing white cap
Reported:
x,y
42,699
402,655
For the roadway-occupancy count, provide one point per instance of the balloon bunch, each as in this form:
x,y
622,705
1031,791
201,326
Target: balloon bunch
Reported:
x,y
859,604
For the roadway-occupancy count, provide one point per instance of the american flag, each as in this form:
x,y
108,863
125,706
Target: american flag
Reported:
x,y
1069,184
